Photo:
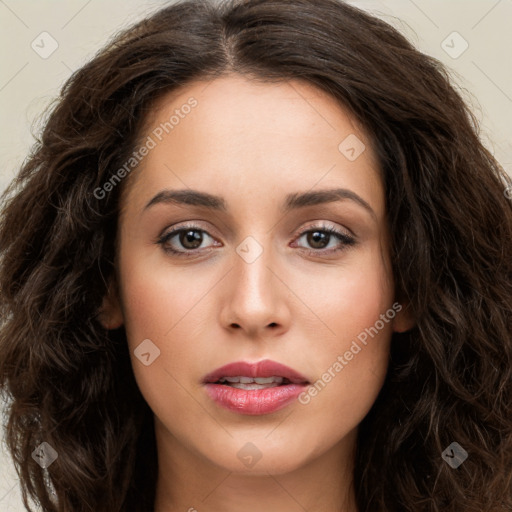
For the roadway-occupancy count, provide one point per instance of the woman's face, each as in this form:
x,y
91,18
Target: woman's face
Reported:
x,y
257,277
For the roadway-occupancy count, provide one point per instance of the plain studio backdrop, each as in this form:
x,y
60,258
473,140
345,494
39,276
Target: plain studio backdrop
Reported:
x,y
44,41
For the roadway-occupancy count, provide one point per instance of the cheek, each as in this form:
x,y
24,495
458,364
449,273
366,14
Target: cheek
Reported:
x,y
158,300
353,358
173,308
349,298
161,306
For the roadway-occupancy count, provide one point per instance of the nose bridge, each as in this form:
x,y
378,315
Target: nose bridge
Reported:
x,y
252,276
254,301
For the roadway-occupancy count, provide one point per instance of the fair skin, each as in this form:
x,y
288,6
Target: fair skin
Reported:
x,y
253,144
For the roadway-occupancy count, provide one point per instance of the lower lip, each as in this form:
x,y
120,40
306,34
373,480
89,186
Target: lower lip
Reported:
x,y
254,401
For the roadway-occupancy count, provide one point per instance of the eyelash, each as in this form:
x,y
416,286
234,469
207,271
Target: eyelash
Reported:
x,y
345,239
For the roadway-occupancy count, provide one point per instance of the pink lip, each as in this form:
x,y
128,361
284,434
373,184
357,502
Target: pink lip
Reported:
x,y
265,368
255,401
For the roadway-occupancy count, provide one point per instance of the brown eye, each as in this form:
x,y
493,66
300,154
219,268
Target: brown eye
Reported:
x,y
319,238
190,239
184,241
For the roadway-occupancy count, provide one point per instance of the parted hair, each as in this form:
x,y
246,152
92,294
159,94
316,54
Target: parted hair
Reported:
x,y
66,380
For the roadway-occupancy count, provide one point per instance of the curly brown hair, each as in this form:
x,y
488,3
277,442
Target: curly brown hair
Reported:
x,y
68,381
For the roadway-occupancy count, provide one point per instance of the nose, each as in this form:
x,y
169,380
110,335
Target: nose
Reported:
x,y
255,298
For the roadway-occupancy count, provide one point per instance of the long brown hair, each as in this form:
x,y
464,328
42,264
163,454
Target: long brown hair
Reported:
x,y
68,380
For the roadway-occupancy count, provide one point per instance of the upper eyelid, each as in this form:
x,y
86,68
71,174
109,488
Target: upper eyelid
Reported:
x,y
319,225
323,225
176,229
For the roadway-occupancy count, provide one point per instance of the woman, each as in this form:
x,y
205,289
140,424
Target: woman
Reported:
x,y
259,260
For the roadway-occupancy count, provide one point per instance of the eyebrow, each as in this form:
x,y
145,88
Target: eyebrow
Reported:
x,y
292,202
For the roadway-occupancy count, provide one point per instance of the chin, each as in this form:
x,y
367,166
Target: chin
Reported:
x,y
260,457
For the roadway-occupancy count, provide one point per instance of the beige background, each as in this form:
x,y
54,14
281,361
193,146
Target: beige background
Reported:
x,y
29,82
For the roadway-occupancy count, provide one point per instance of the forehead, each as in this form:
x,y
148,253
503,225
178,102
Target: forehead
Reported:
x,y
242,135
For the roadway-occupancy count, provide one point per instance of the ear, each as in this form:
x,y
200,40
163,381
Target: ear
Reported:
x,y
404,319
110,314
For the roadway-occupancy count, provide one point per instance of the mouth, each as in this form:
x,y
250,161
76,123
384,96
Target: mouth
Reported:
x,y
254,388
265,373
251,383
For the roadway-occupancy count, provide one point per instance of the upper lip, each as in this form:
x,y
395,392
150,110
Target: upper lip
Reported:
x,y
266,368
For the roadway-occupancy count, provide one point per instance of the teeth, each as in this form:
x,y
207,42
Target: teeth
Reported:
x,y
251,380
253,385
267,380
